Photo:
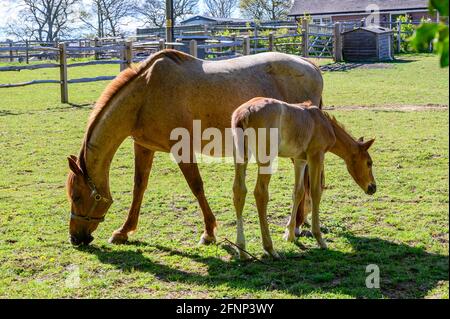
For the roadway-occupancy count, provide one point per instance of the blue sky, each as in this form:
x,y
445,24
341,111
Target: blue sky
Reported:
x,y
9,9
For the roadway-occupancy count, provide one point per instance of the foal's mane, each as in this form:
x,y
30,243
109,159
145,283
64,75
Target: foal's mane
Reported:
x,y
118,84
337,125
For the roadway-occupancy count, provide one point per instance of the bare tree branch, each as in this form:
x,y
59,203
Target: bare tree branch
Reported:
x,y
42,20
154,14
221,8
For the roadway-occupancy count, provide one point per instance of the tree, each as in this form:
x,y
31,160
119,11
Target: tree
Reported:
x,y
43,20
438,33
154,11
105,16
221,8
265,9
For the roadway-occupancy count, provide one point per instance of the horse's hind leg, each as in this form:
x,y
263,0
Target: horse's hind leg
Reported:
x,y
239,194
143,159
192,175
262,197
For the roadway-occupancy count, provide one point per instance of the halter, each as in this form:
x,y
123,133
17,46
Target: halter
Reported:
x,y
97,198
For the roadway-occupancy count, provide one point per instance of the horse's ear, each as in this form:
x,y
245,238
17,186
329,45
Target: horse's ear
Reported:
x,y
367,144
73,165
361,139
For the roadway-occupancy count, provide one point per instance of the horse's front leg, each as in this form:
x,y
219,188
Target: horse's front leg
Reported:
x,y
143,159
297,196
192,175
315,165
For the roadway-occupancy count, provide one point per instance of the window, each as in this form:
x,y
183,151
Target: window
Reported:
x,y
322,21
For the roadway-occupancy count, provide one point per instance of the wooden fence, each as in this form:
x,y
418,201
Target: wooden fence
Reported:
x,y
317,41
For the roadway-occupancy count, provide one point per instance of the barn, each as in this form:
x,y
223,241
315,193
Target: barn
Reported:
x,y
367,44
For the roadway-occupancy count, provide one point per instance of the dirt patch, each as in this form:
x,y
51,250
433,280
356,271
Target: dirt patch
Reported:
x,y
403,108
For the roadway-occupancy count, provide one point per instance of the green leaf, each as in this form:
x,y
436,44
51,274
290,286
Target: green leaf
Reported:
x,y
441,6
424,34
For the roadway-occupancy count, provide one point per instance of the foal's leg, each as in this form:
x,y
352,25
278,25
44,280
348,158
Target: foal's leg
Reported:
x,y
143,159
239,194
304,208
297,195
315,164
192,175
262,197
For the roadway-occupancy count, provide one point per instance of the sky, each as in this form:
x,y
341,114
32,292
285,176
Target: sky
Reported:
x,y
10,8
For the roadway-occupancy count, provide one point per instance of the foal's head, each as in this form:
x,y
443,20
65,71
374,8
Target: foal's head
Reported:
x,y
88,207
360,166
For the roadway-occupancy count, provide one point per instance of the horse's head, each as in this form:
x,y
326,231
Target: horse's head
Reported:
x,y
88,206
360,167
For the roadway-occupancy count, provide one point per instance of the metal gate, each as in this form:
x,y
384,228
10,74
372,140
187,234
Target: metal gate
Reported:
x,y
320,41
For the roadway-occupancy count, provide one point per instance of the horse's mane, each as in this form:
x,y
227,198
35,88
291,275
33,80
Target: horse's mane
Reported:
x,y
119,83
337,124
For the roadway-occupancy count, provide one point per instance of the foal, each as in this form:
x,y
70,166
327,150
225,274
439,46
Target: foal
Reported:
x,y
305,134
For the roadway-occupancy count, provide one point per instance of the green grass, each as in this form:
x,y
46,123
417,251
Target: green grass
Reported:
x,y
403,228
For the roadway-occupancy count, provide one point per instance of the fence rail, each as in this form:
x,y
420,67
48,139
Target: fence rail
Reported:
x,y
316,41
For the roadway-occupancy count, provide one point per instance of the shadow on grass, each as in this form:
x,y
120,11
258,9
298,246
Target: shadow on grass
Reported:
x,y
347,66
406,272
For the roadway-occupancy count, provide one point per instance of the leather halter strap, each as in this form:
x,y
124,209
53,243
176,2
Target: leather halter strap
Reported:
x,y
97,199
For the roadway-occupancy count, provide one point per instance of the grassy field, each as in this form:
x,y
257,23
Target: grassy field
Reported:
x,y
403,229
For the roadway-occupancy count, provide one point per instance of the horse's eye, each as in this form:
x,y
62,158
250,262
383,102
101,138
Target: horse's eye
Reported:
x,y
76,199
369,164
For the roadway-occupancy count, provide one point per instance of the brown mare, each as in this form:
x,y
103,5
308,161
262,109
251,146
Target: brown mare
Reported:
x,y
305,134
168,91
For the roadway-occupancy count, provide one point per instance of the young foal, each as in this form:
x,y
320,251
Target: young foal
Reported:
x,y
305,134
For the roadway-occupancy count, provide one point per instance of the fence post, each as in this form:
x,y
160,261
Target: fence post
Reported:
x,y
27,55
162,44
246,45
399,36
126,55
271,42
193,48
233,38
337,45
305,37
63,73
10,52
96,44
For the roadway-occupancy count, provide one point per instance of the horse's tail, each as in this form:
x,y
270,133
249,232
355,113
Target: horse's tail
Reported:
x,y
239,123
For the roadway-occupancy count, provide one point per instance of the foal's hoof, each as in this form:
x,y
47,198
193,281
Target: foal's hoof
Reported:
x,y
243,256
272,254
118,238
289,236
322,244
207,239
305,233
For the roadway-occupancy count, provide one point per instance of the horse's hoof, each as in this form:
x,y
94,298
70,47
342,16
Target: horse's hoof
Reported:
x,y
305,233
118,238
272,254
244,256
207,240
322,244
289,236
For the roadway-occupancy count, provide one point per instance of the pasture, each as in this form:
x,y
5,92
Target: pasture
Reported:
x,y
403,228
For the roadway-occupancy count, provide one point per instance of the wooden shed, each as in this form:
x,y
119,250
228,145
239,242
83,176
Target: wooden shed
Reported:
x,y
369,44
